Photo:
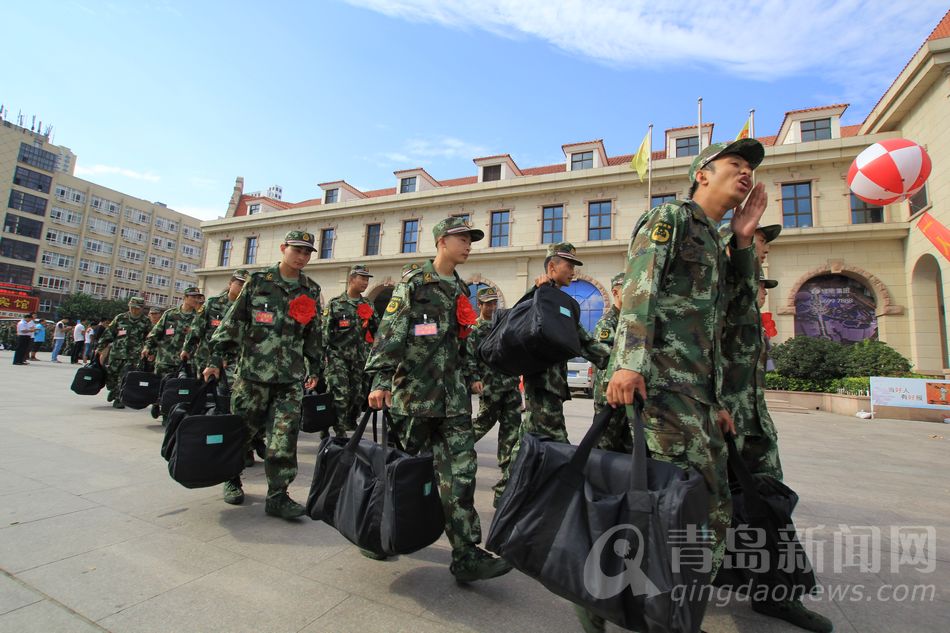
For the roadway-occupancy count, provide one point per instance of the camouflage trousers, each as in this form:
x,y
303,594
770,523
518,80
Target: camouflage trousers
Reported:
x,y
453,451
684,432
505,410
345,380
115,374
618,436
760,453
275,408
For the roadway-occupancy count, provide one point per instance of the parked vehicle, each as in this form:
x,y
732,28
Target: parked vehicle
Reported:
x,y
580,375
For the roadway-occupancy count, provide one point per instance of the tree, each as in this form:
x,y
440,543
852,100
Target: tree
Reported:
x,y
811,358
83,306
875,358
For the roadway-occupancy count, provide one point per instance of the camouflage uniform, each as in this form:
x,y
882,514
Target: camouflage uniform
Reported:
x,y
500,400
126,335
617,437
743,389
346,343
670,331
167,337
198,341
276,354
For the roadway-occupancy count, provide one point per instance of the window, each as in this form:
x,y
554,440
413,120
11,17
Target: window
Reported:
x,y
94,246
373,232
61,215
491,172
796,204
137,216
180,285
158,261
68,194
253,209
164,244
598,220
156,299
332,195
94,268
410,236
46,305
661,198
816,130
15,249
102,227
250,251
23,226
552,224
57,284
186,268
61,238
156,281
687,146
589,299
224,255
26,202
864,213
133,255
464,217
500,228
91,288
582,160
118,292
103,205
133,235
190,251
57,260
407,185
32,179
919,201
192,234
37,157
326,243
166,225
13,274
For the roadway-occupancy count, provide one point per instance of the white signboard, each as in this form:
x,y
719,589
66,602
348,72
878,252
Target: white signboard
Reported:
x,y
915,393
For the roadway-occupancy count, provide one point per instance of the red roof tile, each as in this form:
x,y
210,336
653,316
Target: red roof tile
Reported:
x,y
815,109
942,30
596,140
457,182
495,156
376,193
544,169
850,130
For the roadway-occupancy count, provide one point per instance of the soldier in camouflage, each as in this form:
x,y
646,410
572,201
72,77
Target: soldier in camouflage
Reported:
x,y
617,436
349,322
154,314
164,342
274,330
500,400
197,341
123,339
668,342
421,365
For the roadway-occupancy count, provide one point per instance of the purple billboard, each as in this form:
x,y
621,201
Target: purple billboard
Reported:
x,y
837,308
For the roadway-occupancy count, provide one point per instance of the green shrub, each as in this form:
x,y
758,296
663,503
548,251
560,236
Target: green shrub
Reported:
x,y
814,359
855,386
875,358
774,380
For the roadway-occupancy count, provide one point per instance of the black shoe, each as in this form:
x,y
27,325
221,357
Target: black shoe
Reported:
x,y
372,555
110,396
281,505
155,412
117,405
794,612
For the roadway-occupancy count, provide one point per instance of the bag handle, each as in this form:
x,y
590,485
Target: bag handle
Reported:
x,y
200,396
754,502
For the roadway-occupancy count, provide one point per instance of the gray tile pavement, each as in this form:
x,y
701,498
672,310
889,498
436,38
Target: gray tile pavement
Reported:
x,y
94,535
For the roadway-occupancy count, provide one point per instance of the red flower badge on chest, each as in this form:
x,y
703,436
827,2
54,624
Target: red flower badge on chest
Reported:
x,y
302,309
365,312
465,315
768,324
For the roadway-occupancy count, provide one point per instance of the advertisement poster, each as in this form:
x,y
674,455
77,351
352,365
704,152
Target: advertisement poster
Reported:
x,y
836,308
914,393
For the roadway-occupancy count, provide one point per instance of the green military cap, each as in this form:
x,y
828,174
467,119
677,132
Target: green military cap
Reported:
x,y
361,270
136,302
487,294
748,148
299,238
768,283
193,291
455,226
770,232
241,274
564,250
154,310
617,280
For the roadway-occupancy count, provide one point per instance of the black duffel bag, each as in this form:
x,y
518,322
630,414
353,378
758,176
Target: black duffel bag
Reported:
x,y
179,388
537,332
317,413
765,548
601,529
377,496
141,387
90,378
204,445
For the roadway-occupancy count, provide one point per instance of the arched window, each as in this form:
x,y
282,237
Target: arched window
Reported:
x,y
591,301
837,308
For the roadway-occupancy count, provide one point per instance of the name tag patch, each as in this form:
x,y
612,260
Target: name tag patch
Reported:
x,y
426,329
344,323
565,311
169,331
214,439
121,333
264,318
215,322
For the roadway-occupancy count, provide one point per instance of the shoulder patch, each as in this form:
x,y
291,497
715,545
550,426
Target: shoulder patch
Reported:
x,y
393,305
269,276
326,311
662,232
604,334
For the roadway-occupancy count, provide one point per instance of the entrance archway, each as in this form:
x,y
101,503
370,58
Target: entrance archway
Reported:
x,y
930,329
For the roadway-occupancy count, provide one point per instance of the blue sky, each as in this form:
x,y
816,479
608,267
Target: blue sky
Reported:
x,y
172,100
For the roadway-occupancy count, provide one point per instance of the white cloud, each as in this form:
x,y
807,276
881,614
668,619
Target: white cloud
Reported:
x,y
421,152
848,41
100,170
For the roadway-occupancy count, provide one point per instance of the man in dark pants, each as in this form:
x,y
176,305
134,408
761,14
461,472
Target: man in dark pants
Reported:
x,y
24,338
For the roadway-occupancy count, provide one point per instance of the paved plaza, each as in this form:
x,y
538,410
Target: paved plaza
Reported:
x,y
95,536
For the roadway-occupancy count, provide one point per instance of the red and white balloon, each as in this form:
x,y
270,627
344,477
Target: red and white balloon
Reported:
x,y
889,171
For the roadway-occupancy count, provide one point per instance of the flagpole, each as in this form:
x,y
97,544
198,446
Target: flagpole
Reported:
x,y
752,134
650,167
699,127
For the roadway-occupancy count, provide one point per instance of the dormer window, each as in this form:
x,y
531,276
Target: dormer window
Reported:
x,y
331,196
491,172
407,185
816,130
253,209
687,146
582,160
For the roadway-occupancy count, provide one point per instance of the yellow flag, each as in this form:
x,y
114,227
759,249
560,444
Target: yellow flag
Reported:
x,y
641,159
744,132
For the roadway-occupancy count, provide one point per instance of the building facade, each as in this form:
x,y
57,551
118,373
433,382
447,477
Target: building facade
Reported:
x,y
62,234
846,270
